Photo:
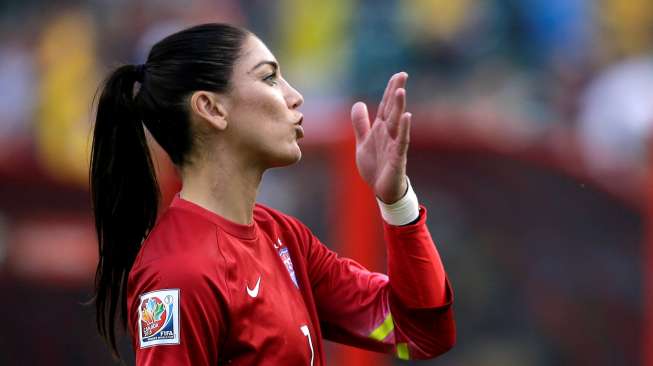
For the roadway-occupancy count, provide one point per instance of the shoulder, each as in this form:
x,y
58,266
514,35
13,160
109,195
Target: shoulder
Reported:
x,y
179,240
178,230
181,252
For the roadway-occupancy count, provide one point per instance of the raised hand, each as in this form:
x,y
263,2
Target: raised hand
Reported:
x,y
381,146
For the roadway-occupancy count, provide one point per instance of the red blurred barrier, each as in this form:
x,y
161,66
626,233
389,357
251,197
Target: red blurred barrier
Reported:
x,y
356,232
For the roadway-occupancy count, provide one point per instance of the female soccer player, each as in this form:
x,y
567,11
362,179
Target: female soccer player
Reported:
x,y
220,279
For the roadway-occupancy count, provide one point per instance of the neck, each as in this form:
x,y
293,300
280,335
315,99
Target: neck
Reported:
x,y
226,188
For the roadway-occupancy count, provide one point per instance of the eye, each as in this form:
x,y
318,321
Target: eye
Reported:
x,y
271,79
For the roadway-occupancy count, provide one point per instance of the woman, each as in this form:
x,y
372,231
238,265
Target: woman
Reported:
x,y
219,278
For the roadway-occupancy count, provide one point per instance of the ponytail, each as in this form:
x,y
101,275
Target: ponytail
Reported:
x,y
125,195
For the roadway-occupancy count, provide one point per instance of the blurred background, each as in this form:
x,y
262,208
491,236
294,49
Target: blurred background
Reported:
x,y
529,147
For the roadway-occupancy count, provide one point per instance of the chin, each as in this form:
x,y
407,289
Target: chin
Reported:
x,y
296,157
288,158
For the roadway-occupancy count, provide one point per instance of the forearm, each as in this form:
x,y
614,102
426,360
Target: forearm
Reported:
x,y
417,276
420,297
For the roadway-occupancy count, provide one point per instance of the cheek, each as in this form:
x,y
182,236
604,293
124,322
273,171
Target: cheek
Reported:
x,y
273,107
260,109
260,122
267,116
254,132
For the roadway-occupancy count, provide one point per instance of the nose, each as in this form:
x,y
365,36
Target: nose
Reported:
x,y
294,99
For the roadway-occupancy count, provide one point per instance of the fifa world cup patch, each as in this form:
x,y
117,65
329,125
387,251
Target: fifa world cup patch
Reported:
x,y
158,318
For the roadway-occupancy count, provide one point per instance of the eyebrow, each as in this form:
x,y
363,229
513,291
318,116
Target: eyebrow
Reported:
x,y
275,66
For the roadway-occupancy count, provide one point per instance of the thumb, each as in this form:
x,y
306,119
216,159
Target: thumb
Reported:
x,y
360,120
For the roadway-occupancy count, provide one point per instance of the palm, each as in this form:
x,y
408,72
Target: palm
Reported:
x,y
381,147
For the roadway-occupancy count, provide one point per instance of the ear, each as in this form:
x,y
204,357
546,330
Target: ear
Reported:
x,y
207,107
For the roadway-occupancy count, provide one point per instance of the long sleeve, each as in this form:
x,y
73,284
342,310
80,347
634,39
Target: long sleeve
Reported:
x,y
408,313
181,292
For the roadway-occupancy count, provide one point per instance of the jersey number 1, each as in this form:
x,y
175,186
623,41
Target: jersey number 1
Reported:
x,y
307,333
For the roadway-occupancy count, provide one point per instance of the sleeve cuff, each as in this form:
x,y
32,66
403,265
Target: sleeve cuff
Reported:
x,y
402,212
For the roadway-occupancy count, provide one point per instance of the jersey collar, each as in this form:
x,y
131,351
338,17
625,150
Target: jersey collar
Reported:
x,y
235,229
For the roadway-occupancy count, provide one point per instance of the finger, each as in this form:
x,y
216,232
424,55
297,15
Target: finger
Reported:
x,y
404,132
360,120
399,82
386,96
397,111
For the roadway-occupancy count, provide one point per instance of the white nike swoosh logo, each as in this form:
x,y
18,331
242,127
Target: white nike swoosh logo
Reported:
x,y
254,292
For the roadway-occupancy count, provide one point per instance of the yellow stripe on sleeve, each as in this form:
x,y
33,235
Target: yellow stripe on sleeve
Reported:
x,y
402,351
383,330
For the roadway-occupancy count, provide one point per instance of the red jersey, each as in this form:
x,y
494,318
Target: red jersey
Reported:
x,y
207,291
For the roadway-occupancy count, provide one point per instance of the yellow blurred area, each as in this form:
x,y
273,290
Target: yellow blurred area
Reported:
x,y
67,65
627,26
436,19
315,37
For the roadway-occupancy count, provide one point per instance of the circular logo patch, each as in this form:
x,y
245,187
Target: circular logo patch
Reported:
x,y
153,315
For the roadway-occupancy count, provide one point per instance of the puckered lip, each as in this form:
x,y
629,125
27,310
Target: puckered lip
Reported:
x,y
299,130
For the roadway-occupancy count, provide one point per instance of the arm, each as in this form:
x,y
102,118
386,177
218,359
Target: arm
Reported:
x,y
416,272
195,336
407,314
420,296
410,312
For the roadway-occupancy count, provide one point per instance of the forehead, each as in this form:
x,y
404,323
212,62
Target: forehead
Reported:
x,y
254,51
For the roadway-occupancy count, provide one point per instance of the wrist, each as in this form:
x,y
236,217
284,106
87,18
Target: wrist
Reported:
x,y
402,212
395,197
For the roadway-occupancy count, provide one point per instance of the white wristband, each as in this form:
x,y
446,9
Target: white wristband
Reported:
x,y
402,212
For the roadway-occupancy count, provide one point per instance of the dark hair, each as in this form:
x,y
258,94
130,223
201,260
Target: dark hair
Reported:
x,y
124,188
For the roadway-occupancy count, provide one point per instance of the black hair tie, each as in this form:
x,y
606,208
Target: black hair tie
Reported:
x,y
140,72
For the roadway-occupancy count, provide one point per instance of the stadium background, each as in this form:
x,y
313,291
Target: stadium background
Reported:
x,y
531,121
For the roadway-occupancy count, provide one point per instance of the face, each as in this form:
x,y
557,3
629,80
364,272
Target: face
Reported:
x,y
263,121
